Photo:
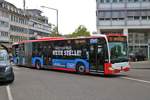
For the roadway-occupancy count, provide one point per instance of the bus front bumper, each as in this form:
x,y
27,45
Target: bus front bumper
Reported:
x,y
109,70
125,69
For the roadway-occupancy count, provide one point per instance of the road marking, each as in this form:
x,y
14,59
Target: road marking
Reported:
x,y
134,79
9,93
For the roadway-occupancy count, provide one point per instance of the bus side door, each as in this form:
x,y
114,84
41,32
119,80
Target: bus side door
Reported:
x,y
96,57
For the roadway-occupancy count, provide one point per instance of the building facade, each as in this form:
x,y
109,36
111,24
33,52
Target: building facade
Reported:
x,y
38,25
18,24
4,24
130,17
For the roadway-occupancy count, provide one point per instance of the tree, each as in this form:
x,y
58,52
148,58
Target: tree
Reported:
x,y
80,31
54,33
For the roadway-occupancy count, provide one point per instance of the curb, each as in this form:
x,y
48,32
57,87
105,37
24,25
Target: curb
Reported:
x,y
140,65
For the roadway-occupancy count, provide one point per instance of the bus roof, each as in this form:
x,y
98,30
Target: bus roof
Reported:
x,y
40,39
57,39
50,38
116,34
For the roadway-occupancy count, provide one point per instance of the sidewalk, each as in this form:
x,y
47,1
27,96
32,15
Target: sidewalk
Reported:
x,y
140,65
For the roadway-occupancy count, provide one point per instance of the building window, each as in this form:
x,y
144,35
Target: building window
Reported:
x,y
11,17
4,34
144,17
133,0
114,1
3,24
130,18
121,18
101,1
101,18
130,1
136,0
136,17
107,1
114,19
144,0
117,14
121,0
107,18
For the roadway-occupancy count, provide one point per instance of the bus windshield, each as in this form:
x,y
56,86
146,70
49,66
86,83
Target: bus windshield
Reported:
x,y
118,51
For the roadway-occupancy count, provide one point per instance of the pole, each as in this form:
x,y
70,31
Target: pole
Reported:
x,y
57,21
24,4
24,8
56,15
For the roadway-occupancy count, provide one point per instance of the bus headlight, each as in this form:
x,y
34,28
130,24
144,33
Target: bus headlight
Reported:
x,y
110,68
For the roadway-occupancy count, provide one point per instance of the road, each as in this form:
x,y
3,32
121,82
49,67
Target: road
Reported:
x,y
31,84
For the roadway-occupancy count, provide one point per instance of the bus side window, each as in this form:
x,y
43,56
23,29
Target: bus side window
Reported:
x,y
92,48
100,52
99,49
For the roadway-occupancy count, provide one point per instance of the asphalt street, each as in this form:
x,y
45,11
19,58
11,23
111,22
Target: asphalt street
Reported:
x,y
32,84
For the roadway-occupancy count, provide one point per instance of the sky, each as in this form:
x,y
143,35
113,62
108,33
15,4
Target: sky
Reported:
x,y
72,13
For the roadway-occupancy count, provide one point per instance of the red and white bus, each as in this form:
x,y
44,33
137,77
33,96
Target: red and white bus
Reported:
x,y
95,54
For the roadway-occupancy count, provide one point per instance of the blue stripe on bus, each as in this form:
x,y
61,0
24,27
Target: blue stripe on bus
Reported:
x,y
34,59
69,63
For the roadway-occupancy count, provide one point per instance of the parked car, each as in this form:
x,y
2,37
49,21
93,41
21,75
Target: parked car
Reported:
x,y
6,70
132,57
138,56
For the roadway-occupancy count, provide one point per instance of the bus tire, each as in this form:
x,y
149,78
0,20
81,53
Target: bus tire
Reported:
x,y
37,65
80,68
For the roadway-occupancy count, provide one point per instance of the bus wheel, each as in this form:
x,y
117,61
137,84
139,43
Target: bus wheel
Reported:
x,y
80,69
38,65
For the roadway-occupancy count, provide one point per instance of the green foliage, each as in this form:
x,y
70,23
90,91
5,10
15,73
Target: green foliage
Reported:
x,y
68,35
54,33
80,31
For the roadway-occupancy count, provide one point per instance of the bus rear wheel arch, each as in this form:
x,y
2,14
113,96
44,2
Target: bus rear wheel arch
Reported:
x,y
80,68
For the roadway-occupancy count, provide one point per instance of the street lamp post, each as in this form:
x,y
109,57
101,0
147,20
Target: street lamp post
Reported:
x,y
24,9
56,14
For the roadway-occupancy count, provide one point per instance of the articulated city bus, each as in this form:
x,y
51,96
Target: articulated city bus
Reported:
x,y
95,54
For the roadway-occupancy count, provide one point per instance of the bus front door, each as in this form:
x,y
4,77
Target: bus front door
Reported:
x,y
96,58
